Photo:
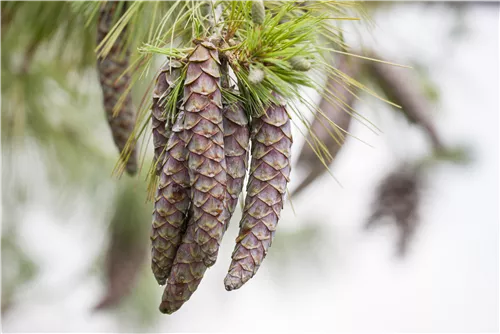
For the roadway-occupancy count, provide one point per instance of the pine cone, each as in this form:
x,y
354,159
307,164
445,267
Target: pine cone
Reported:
x,y
171,205
236,144
114,86
127,249
336,111
269,175
186,274
399,89
189,268
168,74
398,196
205,142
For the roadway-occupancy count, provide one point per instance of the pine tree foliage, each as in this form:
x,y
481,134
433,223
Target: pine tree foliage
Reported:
x,y
233,73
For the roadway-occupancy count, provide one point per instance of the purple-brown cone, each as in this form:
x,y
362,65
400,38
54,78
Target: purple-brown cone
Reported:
x,y
269,175
203,134
171,205
186,274
203,127
236,145
114,85
336,110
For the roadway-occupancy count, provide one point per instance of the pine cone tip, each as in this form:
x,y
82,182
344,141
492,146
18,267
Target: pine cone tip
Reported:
x,y
209,261
169,308
232,282
161,280
131,167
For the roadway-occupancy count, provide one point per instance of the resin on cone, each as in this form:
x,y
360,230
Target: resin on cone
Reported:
x,y
114,85
269,176
171,205
164,82
205,143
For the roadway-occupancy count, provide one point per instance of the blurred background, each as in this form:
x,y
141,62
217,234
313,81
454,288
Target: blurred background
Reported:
x,y
75,238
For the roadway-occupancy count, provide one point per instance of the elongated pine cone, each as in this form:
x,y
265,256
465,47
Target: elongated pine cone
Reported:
x,y
171,205
114,85
269,175
236,145
203,128
189,268
327,137
187,271
398,197
126,252
168,75
399,89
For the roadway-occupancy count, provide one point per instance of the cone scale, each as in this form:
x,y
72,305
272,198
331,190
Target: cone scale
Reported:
x,y
164,82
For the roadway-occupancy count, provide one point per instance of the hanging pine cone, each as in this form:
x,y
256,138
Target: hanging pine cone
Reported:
x,y
205,142
338,111
398,197
168,75
187,271
171,205
236,145
114,85
269,175
127,249
189,267
204,137
399,89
